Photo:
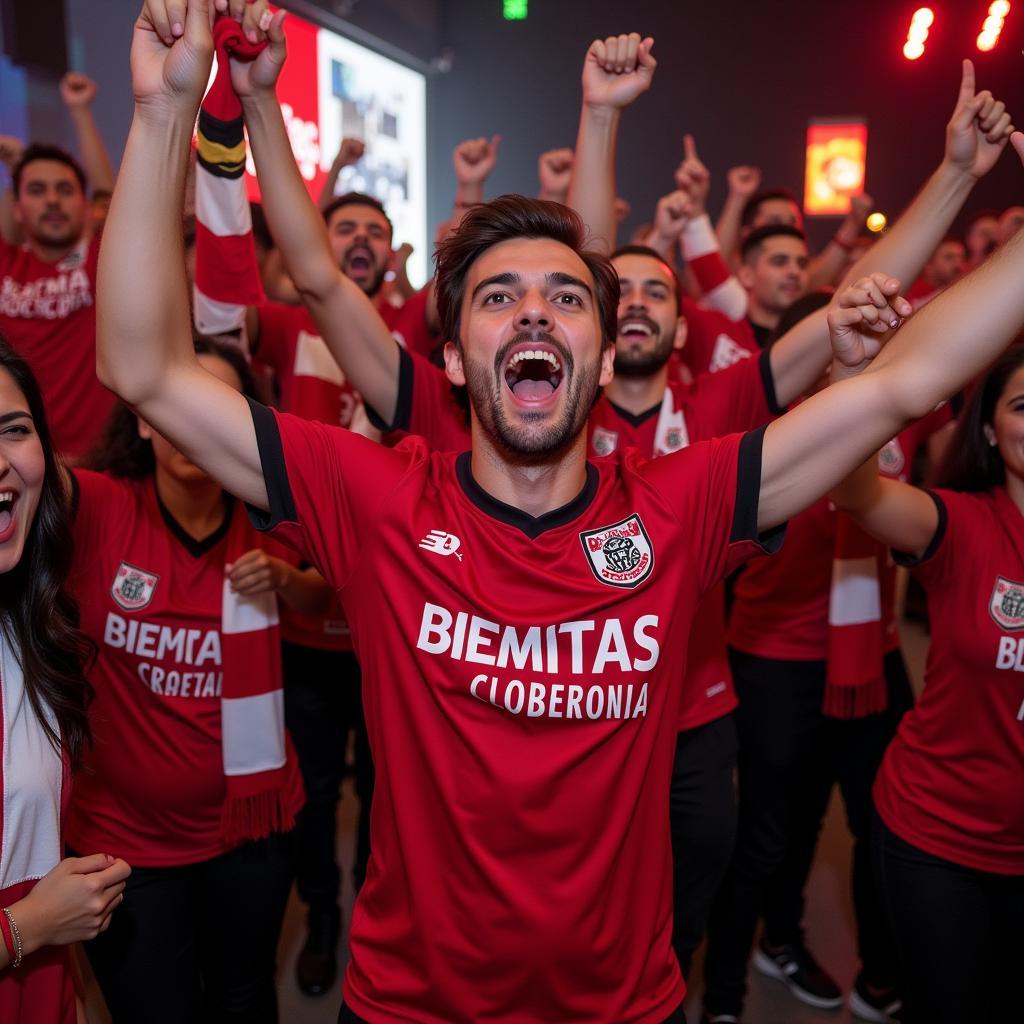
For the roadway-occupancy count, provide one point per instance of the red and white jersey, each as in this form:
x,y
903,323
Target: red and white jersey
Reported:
x,y
152,785
780,605
740,398
952,782
310,385
34,788
713,341
521,687
408,323
48,314
427,407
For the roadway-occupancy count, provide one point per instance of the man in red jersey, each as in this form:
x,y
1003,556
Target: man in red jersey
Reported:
x,y
521,615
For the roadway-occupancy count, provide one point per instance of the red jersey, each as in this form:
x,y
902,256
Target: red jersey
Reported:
x,y
427,406
521,695
48,314
152,786
952,781
742,397
713,341
310,385
780,605
408,323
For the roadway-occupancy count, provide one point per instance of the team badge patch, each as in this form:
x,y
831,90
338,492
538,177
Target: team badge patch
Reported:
x,y
1006,605
133,588
604,441
620,555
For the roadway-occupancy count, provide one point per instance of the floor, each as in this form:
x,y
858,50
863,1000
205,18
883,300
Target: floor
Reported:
x,y
829,924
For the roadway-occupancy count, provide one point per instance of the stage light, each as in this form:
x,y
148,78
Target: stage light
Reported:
x,y
514,10
993,25
920,23
876,222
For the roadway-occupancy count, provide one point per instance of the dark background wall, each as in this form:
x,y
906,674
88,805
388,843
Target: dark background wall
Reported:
x,y
744,77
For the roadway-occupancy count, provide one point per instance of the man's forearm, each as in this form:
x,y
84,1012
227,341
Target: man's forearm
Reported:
x,y
95,158
916,234
294,221
728,226
592,191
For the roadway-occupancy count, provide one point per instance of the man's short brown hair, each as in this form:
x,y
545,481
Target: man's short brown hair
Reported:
x,y
510,217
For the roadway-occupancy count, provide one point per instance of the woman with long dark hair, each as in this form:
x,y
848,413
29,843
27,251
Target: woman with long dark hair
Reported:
x,y
949,838
46,903
191,777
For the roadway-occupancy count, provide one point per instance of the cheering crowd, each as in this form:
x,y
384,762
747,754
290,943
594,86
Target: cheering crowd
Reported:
x,y
259,495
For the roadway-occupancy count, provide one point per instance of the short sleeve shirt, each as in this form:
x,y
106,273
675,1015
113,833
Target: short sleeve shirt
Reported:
x,y
713,341
952,781
520,681
48,314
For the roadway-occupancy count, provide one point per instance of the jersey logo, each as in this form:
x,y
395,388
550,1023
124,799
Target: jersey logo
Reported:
x,y
1006,605
605,441
620,555
442,543
891,460
133,588
725,353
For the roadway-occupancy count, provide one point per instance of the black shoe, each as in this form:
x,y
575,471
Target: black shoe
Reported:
x,y
878,1007
317,966
794,966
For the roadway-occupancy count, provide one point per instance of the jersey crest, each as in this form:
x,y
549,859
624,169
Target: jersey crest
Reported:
x,y
604,441
725,353
133,588
1006,605
620,555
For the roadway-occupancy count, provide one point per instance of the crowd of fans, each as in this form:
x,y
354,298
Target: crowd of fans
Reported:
x,y
259,495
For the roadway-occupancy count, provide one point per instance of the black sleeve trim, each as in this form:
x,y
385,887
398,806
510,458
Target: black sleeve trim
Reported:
x,y
275,473
910,561
748,494
768,380
403,405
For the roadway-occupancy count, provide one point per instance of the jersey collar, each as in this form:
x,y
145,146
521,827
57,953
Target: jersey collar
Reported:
x,y
532,526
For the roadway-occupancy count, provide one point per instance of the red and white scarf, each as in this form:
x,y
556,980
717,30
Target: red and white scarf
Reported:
x,y
227,275
256,802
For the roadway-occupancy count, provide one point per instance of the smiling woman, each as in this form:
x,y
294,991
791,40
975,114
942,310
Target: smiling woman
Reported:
x,y
47,903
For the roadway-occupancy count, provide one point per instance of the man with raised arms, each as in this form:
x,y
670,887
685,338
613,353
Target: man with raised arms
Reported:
x,y
521,866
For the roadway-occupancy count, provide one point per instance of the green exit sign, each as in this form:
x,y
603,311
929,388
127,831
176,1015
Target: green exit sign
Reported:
x,y
515,10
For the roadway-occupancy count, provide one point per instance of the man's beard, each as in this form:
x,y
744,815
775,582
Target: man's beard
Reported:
x,y
485,395
50,240
638,364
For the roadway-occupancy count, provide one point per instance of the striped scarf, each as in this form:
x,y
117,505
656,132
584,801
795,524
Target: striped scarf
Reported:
x,y
227,276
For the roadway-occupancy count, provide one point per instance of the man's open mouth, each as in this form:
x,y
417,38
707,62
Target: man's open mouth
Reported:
x,y
533,374
637,328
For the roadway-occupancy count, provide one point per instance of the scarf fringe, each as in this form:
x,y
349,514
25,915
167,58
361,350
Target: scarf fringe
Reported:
x,y
856,701
255,816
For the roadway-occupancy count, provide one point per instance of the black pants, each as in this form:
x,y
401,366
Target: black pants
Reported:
x,y
322,703
346,1016
197,944
702,812
959,932
789,757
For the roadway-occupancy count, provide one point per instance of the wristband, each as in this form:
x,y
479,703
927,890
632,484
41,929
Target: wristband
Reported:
x,y
844,245
11,937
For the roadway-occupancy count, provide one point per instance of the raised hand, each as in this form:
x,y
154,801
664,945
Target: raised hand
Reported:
x,y
350,152
77,90
474,159
743,181
859,317
671,216
692,177
617,70
979,128
554,169
11,149
860,207
253,77
171,54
